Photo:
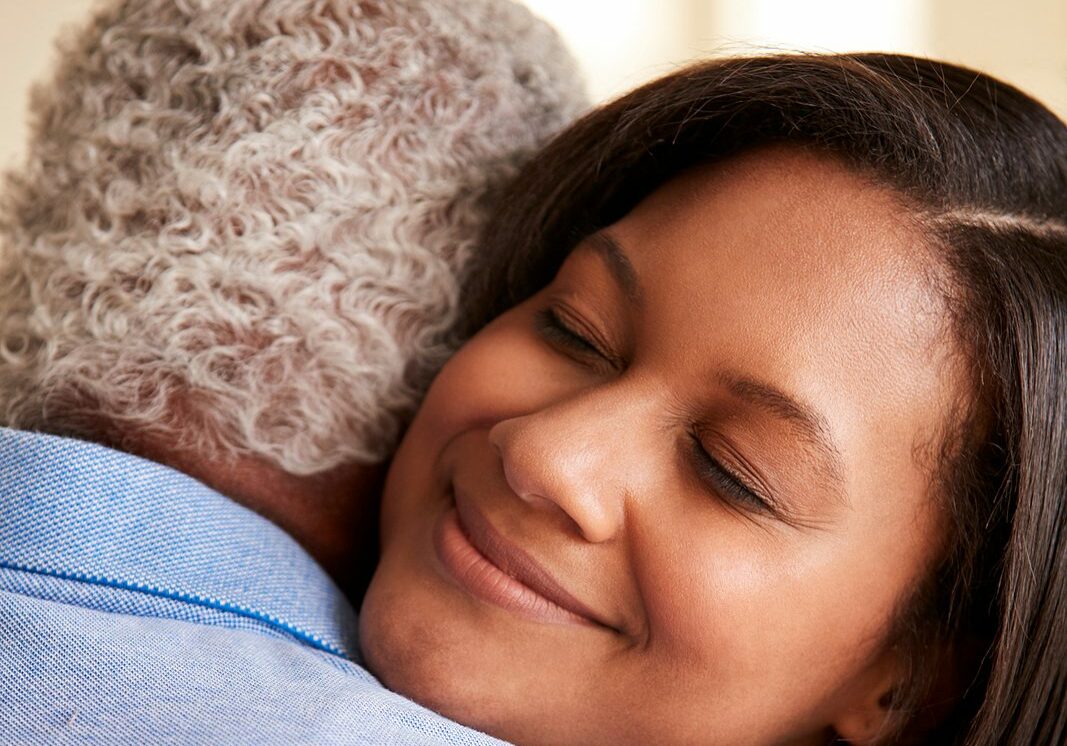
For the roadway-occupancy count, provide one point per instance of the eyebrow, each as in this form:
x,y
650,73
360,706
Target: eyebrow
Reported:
x,y
811,425
617,262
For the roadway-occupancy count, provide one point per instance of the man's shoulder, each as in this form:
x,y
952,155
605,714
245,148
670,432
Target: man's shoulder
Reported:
x,y
84,676
139,606
93,527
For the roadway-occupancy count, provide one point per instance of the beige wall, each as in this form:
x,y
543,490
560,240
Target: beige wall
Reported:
x,y
1024,42
623,42
27,28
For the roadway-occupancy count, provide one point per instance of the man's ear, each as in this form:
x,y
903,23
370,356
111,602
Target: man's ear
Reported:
x,y
864,712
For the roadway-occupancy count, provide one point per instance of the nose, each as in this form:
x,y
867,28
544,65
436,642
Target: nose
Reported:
x,y
573,457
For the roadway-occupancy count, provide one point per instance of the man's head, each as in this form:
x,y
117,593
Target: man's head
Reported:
x,y
242,228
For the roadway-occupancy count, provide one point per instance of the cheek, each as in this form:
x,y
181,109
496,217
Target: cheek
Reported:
x,y
503,372
762,615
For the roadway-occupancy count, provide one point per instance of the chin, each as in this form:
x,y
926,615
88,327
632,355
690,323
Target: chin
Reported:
x,y
405,646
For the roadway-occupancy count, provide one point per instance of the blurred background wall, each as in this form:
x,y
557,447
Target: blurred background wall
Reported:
x,y
622,43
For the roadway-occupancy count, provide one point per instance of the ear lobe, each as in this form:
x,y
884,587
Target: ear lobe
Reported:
x,y
864,712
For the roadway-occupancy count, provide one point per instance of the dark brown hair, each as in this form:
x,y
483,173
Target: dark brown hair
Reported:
x,y
983,168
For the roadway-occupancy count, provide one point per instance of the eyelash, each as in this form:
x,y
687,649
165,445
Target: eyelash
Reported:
x,y
555,330
726,481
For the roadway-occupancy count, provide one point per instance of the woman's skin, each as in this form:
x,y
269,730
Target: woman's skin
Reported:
x,y
703,482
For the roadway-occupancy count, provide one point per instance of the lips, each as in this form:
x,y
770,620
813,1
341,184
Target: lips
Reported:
x,y
493,569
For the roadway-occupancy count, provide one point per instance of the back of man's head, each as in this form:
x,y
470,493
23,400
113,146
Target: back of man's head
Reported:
x,y
242,226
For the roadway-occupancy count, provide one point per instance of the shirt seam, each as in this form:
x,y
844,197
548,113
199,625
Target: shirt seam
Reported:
x,y
208,602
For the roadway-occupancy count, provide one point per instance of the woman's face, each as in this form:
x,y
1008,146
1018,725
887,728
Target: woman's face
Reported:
x,y
678,495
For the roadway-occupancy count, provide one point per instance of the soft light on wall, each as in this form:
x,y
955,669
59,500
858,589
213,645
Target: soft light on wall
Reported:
x,y
622,43
824,25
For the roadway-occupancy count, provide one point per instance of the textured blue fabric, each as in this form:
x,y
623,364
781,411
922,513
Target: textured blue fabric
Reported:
x,y
139,606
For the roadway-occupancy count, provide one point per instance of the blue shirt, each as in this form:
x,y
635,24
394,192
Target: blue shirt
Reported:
x,y
139,606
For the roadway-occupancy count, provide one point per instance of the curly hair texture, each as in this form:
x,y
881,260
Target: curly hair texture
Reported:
x,y
243,227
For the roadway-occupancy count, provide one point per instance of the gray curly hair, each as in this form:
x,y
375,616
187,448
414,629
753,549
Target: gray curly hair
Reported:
x,y
242,227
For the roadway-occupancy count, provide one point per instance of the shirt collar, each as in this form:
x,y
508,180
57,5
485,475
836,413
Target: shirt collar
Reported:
x,y
75,509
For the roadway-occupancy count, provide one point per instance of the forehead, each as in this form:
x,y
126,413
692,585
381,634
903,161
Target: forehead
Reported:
x,y
795,214
793,242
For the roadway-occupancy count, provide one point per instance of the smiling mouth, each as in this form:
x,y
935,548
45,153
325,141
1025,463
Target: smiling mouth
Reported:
x,y
487,566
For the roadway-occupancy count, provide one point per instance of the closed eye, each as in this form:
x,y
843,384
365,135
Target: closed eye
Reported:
x,y
563,335
726,483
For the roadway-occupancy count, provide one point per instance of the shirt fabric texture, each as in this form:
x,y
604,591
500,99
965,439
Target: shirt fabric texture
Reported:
x,y
137,605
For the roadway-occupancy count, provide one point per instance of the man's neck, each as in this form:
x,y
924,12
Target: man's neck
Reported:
x,y
333,515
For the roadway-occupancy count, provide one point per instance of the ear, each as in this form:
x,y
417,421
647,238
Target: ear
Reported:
x,y
864,711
